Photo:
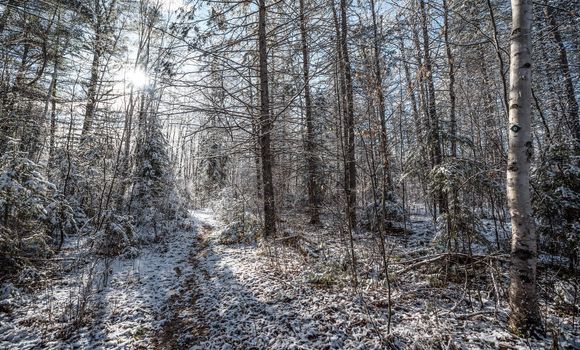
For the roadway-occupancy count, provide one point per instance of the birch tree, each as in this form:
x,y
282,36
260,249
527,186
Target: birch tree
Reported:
x,y
525,315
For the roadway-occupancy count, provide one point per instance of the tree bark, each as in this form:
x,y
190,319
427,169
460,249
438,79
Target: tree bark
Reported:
x,y
265,127
525,316
572,103
434,139
350,171
387,180
451,67
95,66
313,192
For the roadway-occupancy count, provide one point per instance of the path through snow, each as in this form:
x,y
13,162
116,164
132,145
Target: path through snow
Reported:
x,y
124,313
189,292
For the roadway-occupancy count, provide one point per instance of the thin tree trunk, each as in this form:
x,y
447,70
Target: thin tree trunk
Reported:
x,y
434,139
94,79
451,67
52,100
387,180
313,193
451,226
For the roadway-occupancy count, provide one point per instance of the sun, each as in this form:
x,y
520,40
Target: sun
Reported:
x,y
136,78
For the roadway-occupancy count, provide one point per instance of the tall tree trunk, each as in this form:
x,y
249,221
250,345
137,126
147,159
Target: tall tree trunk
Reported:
x,y
451,67
572,103
434,139
51,98
350,171
313,192
410,88
451,226
525,315
340,91
265,127
387,181
94,78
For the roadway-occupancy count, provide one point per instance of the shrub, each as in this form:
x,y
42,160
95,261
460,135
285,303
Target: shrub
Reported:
x,y
26,203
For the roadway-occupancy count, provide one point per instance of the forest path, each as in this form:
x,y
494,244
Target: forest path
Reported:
x,y
109,303
237,296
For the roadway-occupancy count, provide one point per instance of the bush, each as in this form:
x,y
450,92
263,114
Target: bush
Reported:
x,y
117,235
240,232
30,211
392,212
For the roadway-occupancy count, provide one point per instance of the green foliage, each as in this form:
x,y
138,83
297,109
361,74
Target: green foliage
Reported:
x,y
391,210
240,232
214,162
325,279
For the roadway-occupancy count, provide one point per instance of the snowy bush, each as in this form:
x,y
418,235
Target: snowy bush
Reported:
x,y
246,231
459,179
25,205
116,236
213,162
392,211
155,198
459,231
229,205
9,297
62,218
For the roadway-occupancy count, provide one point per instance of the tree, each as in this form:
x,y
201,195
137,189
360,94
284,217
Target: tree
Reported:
x,y
265,127
348,113
312,172
525,317
103,16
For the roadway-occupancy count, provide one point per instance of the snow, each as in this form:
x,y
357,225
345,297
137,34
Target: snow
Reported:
x,y
188,291
123,312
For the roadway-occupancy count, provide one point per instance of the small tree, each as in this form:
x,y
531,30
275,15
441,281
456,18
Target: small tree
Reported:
x,y
154,198
30,211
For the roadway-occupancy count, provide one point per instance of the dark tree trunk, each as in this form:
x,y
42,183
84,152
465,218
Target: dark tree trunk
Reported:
x,y
572,104
313,188
265,128
350,164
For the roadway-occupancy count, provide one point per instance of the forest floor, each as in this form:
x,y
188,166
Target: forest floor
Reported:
x,y
189,291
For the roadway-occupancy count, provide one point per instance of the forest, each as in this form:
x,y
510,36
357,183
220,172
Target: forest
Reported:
x,y
289,174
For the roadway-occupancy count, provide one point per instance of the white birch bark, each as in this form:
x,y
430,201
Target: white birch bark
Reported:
x,y
525,315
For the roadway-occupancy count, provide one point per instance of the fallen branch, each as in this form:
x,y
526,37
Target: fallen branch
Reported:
x,y
294,239
478,313
435,258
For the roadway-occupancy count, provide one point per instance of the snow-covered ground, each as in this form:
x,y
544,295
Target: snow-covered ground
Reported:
x,y
190,292
119,313
256,298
